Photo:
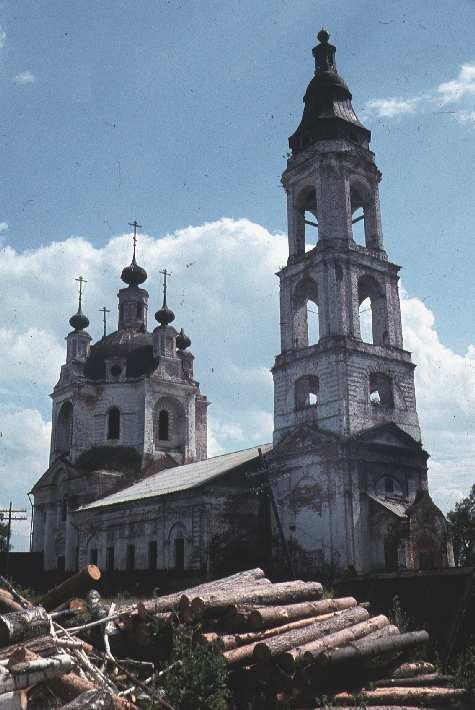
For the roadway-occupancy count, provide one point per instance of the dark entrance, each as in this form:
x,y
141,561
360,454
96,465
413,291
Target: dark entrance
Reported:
x,y
180,554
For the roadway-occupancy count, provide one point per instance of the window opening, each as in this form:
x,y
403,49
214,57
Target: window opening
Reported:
x,y
180,554
372,311
306,392
130,558
391,554
313,329
163,425
93,556
139,310
110,559
358,229
113,424
388,485
152,554
381,390
64,428
366,321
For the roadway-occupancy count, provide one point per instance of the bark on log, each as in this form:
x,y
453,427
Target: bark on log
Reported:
x,y
309,652
24,675
408,670
44,645
284,592
399,696
281,643
274,615
22,625
76,585
170,602
368,648
16,700
98,699
7,602
427,679
227,642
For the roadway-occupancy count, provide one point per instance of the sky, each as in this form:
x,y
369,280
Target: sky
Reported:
x,y
177,114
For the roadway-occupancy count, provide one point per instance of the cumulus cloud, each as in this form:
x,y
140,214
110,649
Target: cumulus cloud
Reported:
x,y
225,295
24,78
456,96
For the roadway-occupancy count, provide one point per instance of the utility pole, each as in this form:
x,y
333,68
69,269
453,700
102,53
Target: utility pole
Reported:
x,y
13,515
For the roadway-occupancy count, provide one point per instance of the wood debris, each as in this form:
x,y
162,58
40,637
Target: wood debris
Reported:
x,y
282,643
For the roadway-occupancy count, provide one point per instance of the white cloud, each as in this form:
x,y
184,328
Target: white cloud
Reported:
x,y
390,108
225,295
3,37
24,78
3,227
459,88
456,97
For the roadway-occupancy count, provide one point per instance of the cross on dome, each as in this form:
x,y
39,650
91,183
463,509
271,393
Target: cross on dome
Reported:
x,y
134,275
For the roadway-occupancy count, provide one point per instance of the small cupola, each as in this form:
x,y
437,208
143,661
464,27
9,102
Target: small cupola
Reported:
x,y
78,341
328,112
133,301
164,335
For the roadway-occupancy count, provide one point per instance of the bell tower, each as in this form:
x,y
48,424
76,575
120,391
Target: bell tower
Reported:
x,y
342,366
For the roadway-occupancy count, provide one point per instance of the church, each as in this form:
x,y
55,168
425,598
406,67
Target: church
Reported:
x,y
343,484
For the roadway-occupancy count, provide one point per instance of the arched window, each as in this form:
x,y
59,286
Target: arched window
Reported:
x,y
388,485
372,311
163,425
177,547
306,392
64,429
113,423
365,218
306,316
381,390
308,217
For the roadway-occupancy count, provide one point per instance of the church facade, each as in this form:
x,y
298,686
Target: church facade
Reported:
x,y
129,484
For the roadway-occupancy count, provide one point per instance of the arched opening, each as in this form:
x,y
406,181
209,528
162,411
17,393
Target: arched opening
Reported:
x,y
391,561
306,391
163,425
307,218
306,316
372,311
381,390
362,211
113,424
177,546
64,429
388,485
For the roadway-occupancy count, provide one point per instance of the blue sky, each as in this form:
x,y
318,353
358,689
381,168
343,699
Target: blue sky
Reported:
x,y
177,114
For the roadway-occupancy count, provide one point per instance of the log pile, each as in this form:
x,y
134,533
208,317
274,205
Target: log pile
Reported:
x,y
283,643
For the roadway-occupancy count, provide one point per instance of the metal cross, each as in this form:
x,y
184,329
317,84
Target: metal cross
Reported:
x,y
81,282
165,275
136,226
104,310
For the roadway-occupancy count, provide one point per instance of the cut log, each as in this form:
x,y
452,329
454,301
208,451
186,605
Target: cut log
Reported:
x,y
274,615
284,592
16,700
171,602
408,670
399,696
309,652
22,625
368,648
24,675
228,642
75,585
7,602
277,645
427,679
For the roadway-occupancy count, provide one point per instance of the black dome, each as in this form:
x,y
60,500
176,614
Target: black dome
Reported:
x,y
133,275
165,315
182,341
79,321
130,343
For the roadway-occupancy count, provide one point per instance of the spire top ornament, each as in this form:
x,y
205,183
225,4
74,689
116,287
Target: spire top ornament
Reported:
x,y
134,275
165,315
79,321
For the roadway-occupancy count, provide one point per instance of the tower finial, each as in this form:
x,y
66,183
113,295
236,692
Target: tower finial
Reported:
x,y
79,321
165,315
324,53
134,275
104,312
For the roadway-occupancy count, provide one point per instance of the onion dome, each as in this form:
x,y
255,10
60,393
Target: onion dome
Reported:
x,y
79,321
182,341
134,275
165,315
